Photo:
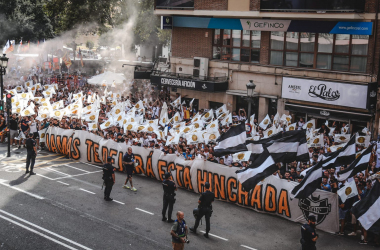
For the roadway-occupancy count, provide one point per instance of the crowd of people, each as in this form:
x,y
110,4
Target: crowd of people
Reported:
x,y
154,99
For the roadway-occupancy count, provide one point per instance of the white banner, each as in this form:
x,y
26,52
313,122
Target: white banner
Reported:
x,y
335,93
272,196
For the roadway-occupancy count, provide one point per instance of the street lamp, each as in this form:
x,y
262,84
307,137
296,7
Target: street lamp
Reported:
x,y
250,92
3,67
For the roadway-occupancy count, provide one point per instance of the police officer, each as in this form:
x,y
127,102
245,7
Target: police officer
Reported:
x,y
309,236
31,149
169,194
109,178
205,209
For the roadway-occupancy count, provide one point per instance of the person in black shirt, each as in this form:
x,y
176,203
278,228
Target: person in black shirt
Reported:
x,y
109,178
31,154
119,138
129,164
309,236
169,194
211,158
13,127
205,209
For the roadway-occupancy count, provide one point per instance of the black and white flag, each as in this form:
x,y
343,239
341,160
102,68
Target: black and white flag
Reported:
x,y
313,177
233,141
256,147
251,176
367,210
359,165
292,146
343,156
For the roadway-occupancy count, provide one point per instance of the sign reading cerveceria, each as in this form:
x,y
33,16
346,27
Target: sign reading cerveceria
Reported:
x,y
194,84
178,82
335,93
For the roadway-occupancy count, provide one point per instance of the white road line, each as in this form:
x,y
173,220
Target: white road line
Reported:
x,y
45,230
45,177
119,202
20,190
216,236
90,164
86,191
67,165
50,169
248,247
64,183
36,232
77,175
144,211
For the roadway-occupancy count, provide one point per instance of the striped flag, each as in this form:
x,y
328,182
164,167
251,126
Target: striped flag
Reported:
x,y
367,210
359,165
233,141
313,177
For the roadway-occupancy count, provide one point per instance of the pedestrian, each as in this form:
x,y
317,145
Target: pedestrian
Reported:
x,y
179,232
13,127
309,236
109,178
129,164
31,148
205,209
169,194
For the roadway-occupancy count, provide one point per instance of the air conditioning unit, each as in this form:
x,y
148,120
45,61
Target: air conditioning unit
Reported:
x,y
200,67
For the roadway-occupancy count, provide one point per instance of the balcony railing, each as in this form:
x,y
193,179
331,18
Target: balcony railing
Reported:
x,y
190,77
312,5
174,4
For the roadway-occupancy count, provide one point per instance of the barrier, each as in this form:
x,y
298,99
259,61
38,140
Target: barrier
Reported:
x,y
271,196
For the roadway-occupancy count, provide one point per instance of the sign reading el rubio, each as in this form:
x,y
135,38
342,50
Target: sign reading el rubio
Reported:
x,y
335,93
272,196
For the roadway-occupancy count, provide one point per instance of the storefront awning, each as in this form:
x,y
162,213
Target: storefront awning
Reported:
x,y
328,113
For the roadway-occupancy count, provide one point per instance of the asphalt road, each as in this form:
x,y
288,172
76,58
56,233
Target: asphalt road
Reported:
x,y
62,207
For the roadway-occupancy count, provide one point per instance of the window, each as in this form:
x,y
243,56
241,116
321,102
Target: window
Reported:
x,y
237,45
322,51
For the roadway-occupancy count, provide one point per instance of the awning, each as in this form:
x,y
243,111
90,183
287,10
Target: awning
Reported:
x,y
328,113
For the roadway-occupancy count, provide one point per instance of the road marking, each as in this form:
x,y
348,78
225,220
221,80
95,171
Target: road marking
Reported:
x,y
144,211
20,190
64,183
216,236
77,175
67,165
248,247
45,177
42,163
87,191
119,202
43,229
50,169
90,164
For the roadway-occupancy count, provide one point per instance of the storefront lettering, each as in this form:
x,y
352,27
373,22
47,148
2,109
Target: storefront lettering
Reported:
x,y
178,82
322,92
268,25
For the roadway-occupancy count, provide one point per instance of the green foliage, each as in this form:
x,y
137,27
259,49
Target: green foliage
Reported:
x,y
90,44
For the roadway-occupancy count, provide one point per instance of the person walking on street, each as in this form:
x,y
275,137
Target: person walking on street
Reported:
x,y
31,148
169,194
205,209
109,178
309,236
179,232
129,164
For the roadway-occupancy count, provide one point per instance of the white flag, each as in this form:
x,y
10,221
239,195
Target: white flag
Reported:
x,y
347,191
264,123
241,156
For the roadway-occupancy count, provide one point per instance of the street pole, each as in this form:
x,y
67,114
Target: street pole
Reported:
x,y
249,108
9,131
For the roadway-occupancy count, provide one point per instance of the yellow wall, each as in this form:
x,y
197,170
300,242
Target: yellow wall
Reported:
x,y
238,5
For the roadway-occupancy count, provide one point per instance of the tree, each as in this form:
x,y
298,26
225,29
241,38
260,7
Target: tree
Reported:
x,y
90,45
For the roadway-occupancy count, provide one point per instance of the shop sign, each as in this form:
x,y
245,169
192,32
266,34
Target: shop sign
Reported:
x,y
193,84
334,93
265,25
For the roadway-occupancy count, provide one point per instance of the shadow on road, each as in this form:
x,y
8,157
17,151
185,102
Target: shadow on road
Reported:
x,y
23,178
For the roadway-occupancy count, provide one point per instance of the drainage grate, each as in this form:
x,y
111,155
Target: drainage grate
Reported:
x,y
41,153
16,153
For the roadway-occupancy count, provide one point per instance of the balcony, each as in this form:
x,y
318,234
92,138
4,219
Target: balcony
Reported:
x,y
175,4
320,6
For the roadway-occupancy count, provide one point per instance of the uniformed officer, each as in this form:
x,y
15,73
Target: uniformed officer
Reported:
x,y
169,194
309,236
31,149
109,178
205,209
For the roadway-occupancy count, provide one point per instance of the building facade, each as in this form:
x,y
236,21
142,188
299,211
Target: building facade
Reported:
x,y
310,59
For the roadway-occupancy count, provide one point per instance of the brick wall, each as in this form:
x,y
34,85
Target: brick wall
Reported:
x,y
188,43
254,5
211,4
264,47
370,6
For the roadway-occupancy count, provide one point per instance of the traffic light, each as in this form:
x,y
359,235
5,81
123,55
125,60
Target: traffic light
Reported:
x,y
9,101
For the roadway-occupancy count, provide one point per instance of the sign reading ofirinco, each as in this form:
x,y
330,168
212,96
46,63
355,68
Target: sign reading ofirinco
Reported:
x,y
335,93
